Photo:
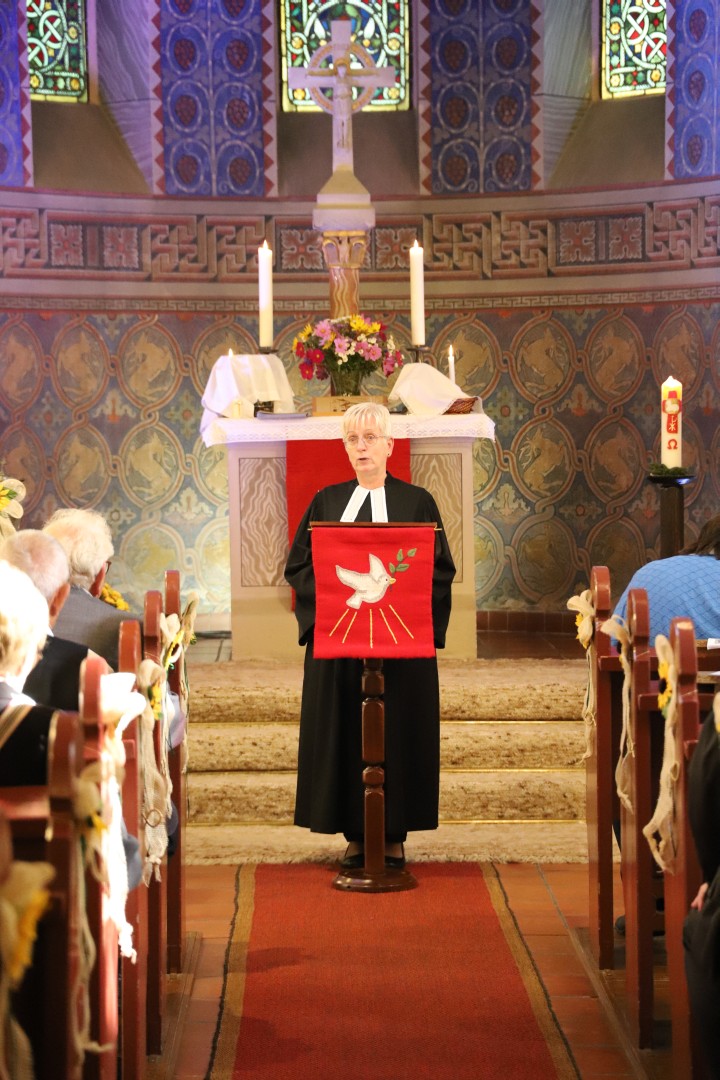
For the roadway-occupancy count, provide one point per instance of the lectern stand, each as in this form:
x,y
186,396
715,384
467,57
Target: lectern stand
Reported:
x,y
374,876
373,593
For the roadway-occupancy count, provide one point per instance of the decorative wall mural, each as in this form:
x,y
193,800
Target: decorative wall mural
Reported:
x,y
575,398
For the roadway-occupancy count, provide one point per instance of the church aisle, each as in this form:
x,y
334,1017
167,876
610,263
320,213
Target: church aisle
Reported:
x,y
549,903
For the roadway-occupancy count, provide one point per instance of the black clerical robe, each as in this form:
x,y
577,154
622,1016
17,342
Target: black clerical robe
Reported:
x,y
329,796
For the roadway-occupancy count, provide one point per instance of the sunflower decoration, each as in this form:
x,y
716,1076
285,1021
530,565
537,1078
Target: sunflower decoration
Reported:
x,y
12,493
664,686
113,597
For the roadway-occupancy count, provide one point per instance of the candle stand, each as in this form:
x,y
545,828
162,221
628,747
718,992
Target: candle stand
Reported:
x,y
421,354
672,513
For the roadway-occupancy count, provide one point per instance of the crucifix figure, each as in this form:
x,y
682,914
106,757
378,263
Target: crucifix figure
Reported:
x,y
340,77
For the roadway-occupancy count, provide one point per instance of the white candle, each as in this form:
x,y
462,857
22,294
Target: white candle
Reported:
x,y
265,296
671,424
451,365
417,295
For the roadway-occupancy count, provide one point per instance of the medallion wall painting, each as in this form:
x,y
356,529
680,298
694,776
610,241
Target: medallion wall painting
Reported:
x,y
103,411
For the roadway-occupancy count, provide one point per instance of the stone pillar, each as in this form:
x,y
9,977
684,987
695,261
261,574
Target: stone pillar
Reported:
x,y
344,252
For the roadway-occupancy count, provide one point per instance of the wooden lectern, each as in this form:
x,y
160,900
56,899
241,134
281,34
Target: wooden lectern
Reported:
x,y
373,602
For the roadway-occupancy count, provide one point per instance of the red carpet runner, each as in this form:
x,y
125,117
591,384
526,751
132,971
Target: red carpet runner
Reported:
x,y
430,984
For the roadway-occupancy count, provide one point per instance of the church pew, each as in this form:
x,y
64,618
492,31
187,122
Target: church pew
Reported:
x,y
683,882
176,765
642,881
104,1030
157,889
601,802
133,1009
43,827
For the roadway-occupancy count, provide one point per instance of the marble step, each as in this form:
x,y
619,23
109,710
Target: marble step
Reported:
x,y
465,795
533,841
463,744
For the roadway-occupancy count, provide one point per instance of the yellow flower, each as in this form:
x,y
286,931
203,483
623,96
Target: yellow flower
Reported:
x,y
664,688
6,496
305,334
579,620
114,598
27,933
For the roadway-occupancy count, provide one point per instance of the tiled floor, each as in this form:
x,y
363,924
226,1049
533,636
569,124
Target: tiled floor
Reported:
x,y
549,901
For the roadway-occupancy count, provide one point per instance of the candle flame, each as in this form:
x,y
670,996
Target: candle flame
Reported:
x,y
451,354
415,243
265,245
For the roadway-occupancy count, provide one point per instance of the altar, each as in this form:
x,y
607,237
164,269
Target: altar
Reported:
x,y
262,621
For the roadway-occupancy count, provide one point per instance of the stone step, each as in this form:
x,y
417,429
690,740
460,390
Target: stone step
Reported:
x,y
463,744
535,841
519,795
269,692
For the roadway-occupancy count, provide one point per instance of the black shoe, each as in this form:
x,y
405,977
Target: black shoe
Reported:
x,y
395,862
352,862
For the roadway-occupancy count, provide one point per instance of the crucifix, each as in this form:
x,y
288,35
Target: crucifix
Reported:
x,y
343,213
341,77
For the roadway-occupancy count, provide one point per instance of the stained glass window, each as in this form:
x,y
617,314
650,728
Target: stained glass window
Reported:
x,y
379,26
57,50
634,47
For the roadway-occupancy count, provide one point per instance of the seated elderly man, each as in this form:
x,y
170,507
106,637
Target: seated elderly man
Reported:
x,y
85,618
55,679
24,727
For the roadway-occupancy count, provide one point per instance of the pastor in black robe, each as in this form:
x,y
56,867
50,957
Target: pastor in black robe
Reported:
x,y
329,797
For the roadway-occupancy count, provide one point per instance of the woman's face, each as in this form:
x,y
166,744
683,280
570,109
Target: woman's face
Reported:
x,y
368,451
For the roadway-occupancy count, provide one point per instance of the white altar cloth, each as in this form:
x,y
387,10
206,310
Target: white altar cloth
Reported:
x,y
237,381
273,428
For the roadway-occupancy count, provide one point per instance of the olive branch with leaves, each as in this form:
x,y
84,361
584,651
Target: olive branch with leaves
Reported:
x,y
400,565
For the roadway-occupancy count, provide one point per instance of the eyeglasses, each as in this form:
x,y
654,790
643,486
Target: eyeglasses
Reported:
x,y
369,440
108,564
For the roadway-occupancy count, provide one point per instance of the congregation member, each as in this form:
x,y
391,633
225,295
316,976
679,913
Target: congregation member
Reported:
x,y
701,935
55,679
85,618
686,584
25,728
329,797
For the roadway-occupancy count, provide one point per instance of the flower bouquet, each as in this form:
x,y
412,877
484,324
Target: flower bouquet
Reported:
x,y
345,350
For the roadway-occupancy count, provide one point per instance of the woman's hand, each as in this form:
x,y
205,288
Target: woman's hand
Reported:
x,y
700,898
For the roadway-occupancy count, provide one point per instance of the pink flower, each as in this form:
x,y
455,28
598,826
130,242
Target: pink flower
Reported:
x,y
306,369
342,345
372,352
324,332
391,361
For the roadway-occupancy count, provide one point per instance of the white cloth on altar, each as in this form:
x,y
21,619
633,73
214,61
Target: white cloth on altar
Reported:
x,y
237,381
425,391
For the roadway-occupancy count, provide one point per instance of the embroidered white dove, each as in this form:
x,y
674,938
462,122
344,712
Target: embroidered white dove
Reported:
x,y
368,587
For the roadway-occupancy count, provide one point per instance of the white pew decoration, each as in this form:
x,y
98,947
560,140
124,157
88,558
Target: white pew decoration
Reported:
x,y
616,627
585,622
157,787
659,831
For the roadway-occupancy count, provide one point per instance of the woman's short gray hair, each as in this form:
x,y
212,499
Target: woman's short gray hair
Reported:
x,y
87,540
366,413
41,557
23,620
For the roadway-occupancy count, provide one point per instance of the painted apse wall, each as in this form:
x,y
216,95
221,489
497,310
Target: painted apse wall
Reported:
x,y
566,313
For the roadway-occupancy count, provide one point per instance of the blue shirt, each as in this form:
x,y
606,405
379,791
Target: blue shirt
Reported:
x,y
687,585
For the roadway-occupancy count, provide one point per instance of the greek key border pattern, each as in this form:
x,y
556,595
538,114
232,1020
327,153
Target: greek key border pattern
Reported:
x,y
202,248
